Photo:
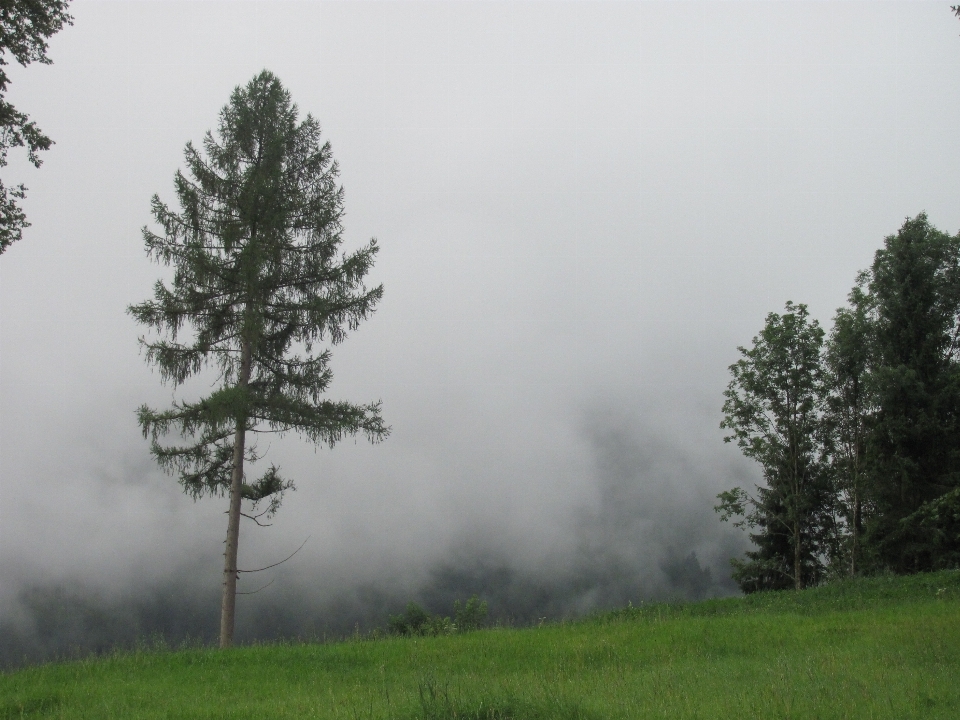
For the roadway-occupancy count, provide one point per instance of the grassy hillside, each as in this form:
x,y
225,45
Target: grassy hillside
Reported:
x,y
872,648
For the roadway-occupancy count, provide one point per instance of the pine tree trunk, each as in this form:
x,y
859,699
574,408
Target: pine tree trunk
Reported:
x,y
228,602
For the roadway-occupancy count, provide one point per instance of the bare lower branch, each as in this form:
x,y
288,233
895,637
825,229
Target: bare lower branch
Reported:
x,y
254,518
254,592
277,563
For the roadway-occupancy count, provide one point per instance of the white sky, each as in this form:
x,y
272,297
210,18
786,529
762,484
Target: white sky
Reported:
x,y
583,209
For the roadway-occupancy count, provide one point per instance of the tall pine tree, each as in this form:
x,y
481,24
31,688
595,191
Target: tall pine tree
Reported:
x,y
914,441
258,291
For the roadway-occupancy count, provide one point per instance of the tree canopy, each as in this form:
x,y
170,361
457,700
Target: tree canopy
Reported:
x,y
772,410
25,26
877,423
914,443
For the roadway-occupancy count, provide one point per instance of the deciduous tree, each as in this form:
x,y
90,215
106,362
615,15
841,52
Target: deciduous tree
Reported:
x,y
848,411
773,411
25,26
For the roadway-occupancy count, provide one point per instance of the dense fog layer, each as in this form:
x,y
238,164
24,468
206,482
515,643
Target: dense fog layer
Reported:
x,y
634,522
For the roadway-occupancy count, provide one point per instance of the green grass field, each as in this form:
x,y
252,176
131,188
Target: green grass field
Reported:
x,y
871,648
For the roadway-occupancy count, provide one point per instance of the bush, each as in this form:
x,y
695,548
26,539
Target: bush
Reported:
x,y
470,616
415,621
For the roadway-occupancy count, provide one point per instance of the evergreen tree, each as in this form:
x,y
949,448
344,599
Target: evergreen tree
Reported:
x,y
25,26
773,410
257,287
914,440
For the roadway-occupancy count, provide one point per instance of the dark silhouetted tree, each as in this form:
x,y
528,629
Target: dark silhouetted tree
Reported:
x,y
25,26
773,411
913,446
258,285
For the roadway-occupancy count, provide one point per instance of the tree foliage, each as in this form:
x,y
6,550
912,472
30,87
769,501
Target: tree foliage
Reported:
x,y
874,414
259,290
848,407
415,621
25,26
773,412
914,443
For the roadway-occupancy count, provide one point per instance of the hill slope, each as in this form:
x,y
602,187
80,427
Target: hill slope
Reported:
x,y
869,648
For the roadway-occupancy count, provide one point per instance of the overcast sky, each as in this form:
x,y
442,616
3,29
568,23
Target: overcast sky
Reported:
x,y
583,208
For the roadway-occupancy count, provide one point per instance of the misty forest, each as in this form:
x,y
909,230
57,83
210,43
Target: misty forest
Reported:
x,y
606,353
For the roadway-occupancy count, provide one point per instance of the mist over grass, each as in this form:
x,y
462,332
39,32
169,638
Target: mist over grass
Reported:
x,y
641,528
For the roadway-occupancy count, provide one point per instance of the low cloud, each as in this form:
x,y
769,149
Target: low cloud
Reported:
x,y
640,527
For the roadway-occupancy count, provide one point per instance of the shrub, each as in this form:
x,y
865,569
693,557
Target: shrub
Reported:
x,y
411,622
415,621
470,616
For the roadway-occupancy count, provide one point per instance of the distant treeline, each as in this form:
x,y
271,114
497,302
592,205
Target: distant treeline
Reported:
x,y
857,430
